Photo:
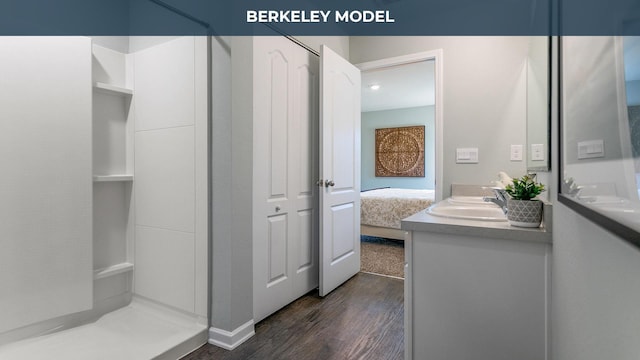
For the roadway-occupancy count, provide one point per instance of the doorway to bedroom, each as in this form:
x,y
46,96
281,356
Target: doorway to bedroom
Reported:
x,y
399,156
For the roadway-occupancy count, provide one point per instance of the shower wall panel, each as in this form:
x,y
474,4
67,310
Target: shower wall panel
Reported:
x,y
170,241
46,268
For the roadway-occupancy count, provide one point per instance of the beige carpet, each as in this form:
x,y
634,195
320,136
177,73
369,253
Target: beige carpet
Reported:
x,y
382,256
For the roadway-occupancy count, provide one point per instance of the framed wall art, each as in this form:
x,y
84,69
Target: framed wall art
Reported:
x,y
400,152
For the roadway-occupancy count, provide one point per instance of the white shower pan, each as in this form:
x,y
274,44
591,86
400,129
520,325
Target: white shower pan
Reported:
x,y
138,331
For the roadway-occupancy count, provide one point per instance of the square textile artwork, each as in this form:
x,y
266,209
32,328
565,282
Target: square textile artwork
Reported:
x,y
400,152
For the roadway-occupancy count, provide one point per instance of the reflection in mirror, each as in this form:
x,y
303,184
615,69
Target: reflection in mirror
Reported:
x,y
601,126
537,104
631,50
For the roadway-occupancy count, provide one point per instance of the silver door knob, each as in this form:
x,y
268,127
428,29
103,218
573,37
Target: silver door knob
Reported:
x,y
277,208
328,183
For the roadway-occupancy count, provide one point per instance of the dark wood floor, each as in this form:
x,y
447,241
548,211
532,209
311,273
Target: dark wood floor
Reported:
x,y
362,319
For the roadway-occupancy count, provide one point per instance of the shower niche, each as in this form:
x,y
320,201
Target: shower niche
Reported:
x,y
150,175
113,212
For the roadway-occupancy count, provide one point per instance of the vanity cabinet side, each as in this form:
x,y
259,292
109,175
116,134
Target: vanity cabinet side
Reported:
x,y
470,297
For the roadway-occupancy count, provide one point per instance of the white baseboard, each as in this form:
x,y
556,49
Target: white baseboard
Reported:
x,y
230,340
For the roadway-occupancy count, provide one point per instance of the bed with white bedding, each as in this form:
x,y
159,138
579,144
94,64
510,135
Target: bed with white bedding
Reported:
x,y
381,210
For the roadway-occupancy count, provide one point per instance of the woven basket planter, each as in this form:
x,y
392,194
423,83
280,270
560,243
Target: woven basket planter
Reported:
x,y
524,213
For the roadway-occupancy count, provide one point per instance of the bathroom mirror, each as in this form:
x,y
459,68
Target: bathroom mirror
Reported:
x,y
538,93
600,131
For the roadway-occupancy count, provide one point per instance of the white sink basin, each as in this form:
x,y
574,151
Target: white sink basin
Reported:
x,y
480,212
469,200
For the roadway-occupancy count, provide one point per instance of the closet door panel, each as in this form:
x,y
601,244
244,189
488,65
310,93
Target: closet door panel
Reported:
x,y
278,120
305,127
304,154
285,152
277,243
271,188
306,252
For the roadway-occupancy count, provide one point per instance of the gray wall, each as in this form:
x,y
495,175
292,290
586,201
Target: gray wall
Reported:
x,y
484,97
595,283
373,120
117,43
232,273
537,99
130,44
339,44
596,291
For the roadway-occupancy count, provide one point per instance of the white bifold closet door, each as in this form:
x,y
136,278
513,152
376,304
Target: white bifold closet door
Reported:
x,y
285,151
306,172
45,182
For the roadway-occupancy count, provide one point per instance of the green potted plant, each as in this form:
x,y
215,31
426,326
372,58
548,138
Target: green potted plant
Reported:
x,y
522,208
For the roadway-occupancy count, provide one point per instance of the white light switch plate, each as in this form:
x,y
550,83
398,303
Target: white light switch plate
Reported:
x,y
467,155
537,152
516,152
590,149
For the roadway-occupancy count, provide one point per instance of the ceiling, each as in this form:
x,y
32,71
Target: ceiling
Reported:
x,y
402,86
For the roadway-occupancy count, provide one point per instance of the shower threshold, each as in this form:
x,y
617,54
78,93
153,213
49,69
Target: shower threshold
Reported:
x,y
138,331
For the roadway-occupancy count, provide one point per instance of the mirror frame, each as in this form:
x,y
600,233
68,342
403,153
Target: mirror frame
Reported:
x,y
610,224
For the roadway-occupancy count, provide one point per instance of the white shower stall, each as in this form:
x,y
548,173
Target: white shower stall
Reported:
x,y
103,198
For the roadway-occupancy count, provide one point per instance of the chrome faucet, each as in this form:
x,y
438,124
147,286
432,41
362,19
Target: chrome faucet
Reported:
x,y
500,199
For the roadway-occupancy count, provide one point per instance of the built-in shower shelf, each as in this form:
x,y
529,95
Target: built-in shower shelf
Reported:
x,y
112,270
112,89
107,178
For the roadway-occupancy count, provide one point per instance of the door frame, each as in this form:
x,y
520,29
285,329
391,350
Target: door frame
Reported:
x,y
437,57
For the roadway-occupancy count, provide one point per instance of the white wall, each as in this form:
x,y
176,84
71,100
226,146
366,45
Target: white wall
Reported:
x,y
484,97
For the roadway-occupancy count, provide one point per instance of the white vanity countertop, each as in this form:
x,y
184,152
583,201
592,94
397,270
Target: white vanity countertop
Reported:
x,y
424,222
